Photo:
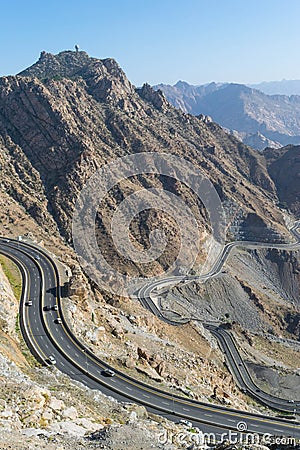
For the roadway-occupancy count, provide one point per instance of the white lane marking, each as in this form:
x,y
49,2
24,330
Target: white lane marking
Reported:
x,y
68,346
128,388
144,395
185,409
166,403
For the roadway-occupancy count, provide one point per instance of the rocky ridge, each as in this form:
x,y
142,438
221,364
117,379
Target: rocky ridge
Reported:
x,y
60,120
84,112
257,119
284,169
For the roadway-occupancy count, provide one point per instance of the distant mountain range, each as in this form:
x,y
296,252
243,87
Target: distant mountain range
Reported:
x,y
283,87
258,119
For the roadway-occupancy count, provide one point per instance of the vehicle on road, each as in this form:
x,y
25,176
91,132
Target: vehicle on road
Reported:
x,y
51,360
28,303
109,372
58,320
186,423
50,308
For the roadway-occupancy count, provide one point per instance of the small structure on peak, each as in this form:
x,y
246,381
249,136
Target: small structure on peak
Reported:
x,y
43,54
76,48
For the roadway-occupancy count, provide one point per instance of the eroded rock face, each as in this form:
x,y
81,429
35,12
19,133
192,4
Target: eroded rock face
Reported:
x,y
69,114
156,98
60,120
284,169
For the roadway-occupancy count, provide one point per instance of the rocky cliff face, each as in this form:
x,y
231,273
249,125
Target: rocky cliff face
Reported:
x,y
68,114
284,169
61,120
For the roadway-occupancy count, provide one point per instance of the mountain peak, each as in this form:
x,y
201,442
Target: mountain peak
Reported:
x,y
181,84
157,98
67,64
64,64
103,78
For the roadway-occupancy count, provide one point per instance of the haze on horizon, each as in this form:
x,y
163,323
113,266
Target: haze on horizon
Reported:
x,y
161,42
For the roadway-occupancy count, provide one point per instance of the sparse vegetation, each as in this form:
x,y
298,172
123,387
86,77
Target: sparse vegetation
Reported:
x,y
13,275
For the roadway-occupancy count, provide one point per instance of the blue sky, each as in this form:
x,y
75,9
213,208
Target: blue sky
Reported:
x,y
160,41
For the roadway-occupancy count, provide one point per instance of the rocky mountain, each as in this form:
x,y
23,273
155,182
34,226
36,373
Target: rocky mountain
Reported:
x,y
61,120
284,169
186,96
257,119
68,114
283,87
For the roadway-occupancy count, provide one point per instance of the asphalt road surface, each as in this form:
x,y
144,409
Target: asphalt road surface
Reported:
x,y
46,337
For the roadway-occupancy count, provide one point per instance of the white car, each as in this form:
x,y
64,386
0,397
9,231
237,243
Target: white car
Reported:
x,y
109,372
186,422
51,360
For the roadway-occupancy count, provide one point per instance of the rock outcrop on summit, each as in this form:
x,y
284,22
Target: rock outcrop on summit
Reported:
x,y
69,114
61,120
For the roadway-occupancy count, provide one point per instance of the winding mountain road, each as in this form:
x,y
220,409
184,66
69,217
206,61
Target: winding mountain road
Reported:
x,y
226,341
46,336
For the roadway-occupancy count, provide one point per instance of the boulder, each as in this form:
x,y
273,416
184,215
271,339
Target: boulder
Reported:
x,y
70,413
